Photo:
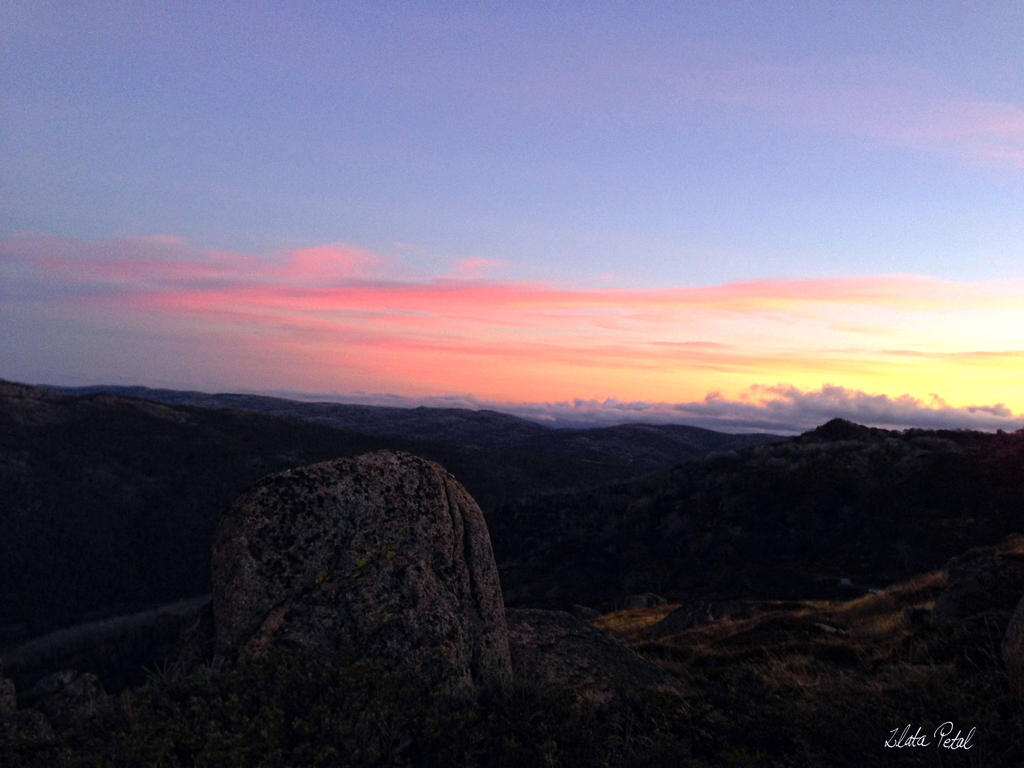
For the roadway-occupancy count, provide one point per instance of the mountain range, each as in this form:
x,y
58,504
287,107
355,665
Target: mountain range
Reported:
x,y
635,445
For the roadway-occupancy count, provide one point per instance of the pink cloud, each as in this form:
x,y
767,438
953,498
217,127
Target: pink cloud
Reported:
x,y
144,259
312,308
339,276
336,261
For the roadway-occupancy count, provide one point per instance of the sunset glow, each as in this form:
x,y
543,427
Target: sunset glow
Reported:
x,y
314,320
679,215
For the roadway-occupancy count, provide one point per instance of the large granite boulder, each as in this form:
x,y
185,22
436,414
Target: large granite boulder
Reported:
x,y
981,579
383,557
556,648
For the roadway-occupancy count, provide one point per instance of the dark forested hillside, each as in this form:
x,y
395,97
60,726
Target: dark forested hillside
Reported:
x,y
108,502
838,508
645,446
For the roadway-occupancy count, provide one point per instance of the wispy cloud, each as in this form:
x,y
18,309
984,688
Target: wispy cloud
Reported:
x,y
887,101
476,267
333,262
316,316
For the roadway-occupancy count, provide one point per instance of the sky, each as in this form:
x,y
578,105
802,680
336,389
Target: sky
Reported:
x,y
736,215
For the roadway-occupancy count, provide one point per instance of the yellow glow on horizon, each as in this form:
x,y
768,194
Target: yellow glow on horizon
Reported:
x,y
322,319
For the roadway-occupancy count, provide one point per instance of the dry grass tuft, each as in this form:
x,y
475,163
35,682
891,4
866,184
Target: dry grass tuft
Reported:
x,y
814,667
798,671
810,646
631,625
1012,545
880,616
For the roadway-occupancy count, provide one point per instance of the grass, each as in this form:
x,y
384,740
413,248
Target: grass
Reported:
x,y
629,625
824,683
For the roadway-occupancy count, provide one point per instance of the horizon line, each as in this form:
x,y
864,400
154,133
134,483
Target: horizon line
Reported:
x,y
782,410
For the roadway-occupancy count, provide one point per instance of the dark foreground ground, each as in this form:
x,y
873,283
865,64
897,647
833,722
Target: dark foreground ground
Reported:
x,y
794,683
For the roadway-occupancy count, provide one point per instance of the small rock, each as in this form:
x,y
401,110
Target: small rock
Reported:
x,y
689,614
981,579
51,684
67,696
25,726
695,613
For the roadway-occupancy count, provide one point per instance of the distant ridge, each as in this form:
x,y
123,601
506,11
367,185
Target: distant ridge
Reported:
x,y
841,429
638,445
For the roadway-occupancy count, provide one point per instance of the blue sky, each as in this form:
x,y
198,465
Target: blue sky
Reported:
x,y
584,146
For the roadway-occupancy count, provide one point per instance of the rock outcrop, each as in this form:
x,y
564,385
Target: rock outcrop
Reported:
x,y
981,579
1013,646
556,648
690,614
695,613
383,556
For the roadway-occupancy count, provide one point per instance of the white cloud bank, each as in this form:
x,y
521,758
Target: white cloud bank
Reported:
x,y
781,409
